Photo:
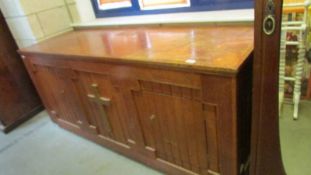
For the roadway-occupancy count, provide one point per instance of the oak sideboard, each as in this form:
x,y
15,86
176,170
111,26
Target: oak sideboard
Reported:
x,y
176,98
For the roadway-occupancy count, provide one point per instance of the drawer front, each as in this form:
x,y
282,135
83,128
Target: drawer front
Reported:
x,y
126,72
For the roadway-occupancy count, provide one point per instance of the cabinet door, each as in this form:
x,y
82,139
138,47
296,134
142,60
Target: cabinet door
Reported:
x,y
104,105
57,87
180,128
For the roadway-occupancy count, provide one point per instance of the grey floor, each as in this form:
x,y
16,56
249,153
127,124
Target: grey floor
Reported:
x,y
296,139
39,147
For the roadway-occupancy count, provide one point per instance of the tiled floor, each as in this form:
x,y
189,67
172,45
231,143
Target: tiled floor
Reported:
x,y
39,147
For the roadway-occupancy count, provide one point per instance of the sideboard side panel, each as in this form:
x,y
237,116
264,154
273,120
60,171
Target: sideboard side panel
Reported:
x,y
221,92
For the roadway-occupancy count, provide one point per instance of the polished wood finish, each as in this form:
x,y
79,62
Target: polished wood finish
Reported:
x,y
266,153
18,98
194,49
135,91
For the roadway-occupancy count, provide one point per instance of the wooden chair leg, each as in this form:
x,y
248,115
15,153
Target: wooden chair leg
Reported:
x,y
298,74
282,69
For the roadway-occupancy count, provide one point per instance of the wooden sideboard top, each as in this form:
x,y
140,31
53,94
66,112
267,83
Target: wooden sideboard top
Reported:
x,y
220,49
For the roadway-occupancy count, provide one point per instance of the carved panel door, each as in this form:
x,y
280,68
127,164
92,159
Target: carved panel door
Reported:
x,y
61,95
105,107
178,126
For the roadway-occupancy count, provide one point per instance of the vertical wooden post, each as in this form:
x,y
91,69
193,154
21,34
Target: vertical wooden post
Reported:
x,y
265,147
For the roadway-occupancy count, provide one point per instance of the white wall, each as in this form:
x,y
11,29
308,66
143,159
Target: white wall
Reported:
x,y
31,21
85,10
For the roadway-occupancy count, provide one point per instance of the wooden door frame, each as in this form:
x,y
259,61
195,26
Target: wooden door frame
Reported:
x,y
266,156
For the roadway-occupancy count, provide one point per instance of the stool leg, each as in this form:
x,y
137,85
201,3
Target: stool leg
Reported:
x,y
298,74
282,69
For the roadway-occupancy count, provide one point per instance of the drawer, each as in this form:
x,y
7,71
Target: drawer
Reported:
x,y
133,72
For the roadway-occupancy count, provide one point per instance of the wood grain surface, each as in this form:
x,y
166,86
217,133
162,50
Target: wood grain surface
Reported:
x,y
214,49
